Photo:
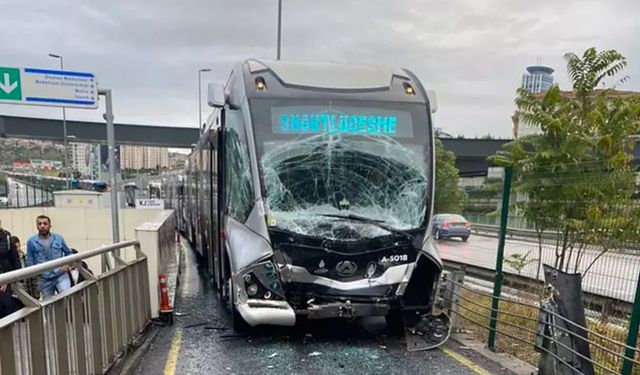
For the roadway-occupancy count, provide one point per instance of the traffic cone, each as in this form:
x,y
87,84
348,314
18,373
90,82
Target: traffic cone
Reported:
x,y
164,295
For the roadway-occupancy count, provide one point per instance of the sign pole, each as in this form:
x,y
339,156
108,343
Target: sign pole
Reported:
x,y
111,141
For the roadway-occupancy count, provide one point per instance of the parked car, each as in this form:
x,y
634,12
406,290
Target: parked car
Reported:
x,y
4,201
451,225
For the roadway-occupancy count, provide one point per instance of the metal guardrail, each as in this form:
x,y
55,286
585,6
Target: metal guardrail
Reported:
x,y
606,305
511,232
82,330
532,235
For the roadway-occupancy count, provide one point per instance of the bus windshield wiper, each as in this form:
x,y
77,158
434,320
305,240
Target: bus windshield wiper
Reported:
x,y
374,222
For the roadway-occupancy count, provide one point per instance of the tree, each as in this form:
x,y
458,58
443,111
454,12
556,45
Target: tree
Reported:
x,y
449,197
576,174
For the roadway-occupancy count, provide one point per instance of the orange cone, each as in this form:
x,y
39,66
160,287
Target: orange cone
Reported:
x,y
164,295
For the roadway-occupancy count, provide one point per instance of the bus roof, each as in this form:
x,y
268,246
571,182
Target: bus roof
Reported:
x,y
329,75
328,81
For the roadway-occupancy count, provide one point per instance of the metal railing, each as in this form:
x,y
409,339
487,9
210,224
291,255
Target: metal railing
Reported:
x,y
534,236
25,194
84,329
605,307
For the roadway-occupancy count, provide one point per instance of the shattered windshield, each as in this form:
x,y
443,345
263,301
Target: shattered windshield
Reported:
x,y
342,158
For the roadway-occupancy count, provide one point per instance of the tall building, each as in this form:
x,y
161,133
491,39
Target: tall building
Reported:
x,y
538,78
144,157
79,157
131,157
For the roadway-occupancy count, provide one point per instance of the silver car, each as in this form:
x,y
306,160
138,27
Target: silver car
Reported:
x,y
451,225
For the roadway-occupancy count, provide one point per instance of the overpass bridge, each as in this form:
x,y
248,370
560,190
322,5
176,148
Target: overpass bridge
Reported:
x,y
471,154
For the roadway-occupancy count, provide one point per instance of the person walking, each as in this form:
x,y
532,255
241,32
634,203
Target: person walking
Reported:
x,y
30,284
9,261
46,246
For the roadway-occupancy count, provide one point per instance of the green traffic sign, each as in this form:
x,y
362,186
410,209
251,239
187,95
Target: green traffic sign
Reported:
x,y
10,88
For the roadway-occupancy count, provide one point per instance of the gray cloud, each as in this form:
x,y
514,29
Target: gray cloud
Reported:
x,y
471,53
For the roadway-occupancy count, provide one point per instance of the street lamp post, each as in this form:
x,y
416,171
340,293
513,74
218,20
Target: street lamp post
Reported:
x,y
64,127
200,97
279,29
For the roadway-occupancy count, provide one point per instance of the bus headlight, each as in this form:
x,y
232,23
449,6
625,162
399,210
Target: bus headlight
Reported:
x,y
262,281
252,290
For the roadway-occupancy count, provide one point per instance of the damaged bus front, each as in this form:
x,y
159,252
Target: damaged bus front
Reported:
x,y
327,185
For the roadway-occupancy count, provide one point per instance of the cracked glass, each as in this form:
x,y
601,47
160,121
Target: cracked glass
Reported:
x,y
343,158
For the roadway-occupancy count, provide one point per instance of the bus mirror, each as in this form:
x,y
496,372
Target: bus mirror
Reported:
x,y
217,96
433,101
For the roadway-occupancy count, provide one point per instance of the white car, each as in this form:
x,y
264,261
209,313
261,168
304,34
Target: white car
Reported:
x,y
4,201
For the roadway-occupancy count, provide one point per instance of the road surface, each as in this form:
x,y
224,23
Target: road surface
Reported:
x,y
613,275
201,342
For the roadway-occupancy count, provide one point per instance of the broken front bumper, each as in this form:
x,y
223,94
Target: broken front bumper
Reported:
x,y
344,310
258,312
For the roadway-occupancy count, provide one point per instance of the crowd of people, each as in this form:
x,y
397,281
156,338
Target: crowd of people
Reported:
x,y
40,248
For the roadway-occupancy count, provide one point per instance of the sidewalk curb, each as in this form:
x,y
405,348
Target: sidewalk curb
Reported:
x,y
508,361
130,364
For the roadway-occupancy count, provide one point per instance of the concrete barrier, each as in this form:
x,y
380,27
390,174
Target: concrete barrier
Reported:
x,y
158,242
82,228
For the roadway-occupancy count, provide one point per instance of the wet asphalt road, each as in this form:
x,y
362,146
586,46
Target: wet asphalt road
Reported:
x,y
209,346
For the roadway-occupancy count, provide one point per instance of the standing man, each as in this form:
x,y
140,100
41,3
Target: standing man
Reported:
x,y
46,246
9,261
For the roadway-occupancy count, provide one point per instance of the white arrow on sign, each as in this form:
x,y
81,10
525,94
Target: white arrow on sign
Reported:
x,y
7,86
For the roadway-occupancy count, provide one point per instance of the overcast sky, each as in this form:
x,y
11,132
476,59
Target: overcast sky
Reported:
x,y
472,53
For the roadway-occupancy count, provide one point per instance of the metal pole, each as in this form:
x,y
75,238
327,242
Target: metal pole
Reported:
x,y
200,100
18,195
279,29
632,336
64,134
497,284
35,199
111,141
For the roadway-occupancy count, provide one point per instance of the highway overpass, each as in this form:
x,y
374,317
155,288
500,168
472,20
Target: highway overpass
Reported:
x,y
471,154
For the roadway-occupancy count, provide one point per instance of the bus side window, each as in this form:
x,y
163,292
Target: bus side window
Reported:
x,y
238,189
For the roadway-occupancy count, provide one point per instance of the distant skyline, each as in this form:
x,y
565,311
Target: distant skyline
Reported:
x,y
472,54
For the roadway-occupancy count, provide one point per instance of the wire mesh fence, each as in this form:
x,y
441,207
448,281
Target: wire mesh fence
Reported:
x,y
578,217
520,333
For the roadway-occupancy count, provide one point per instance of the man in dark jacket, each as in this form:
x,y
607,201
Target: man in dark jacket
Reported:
x,y
9,261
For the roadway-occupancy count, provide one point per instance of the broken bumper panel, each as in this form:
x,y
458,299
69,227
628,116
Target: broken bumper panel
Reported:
x,y
258,312
344,310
